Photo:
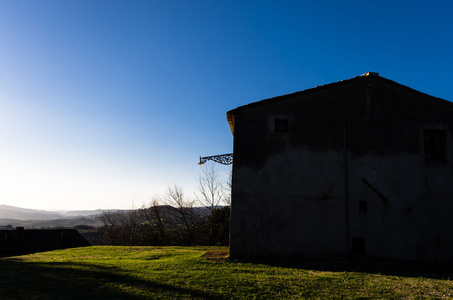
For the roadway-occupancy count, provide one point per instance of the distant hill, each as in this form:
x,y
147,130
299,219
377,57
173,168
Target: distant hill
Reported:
x,y
81,213
54,223
32,218
11,212
24,214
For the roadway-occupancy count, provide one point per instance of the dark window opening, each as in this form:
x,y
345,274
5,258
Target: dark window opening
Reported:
x,y
281,125
363,206
358,246
434,142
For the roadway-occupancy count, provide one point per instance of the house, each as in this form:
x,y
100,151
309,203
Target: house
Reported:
x,y
358,167
20,241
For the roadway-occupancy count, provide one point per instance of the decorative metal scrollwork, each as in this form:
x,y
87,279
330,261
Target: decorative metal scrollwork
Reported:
x,y
224,159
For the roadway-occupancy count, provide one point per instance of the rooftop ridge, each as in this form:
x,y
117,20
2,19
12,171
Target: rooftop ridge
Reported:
x,y
370,74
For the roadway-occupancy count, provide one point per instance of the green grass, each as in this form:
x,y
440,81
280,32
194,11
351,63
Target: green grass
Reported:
x,y
182,273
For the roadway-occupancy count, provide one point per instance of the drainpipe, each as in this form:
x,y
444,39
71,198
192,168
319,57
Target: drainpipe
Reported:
x,y
345,163
346,189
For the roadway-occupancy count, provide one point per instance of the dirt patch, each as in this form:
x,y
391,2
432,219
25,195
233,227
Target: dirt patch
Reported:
x,y
216,255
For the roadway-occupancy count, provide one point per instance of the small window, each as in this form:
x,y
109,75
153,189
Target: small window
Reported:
x,y
363,207
281,125
434,142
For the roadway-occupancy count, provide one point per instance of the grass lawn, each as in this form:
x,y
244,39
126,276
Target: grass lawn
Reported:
x,y
107,272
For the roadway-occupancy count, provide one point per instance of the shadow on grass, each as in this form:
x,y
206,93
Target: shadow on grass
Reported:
x,y
66,280
370,266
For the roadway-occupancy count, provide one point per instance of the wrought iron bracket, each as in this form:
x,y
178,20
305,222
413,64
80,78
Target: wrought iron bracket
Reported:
x,y
224,159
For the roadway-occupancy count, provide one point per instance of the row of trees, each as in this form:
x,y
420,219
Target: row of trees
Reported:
x,y
175,219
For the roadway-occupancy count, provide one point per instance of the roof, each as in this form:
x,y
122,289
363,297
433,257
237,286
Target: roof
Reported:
x,y
15,242
230,114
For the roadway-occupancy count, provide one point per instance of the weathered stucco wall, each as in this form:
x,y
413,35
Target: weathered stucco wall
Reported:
x,y
278,211
288,188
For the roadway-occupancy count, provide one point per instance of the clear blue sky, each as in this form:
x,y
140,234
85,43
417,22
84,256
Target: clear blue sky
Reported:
x,y
106,103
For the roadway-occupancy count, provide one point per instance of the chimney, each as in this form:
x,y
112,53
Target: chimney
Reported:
x,y
371,74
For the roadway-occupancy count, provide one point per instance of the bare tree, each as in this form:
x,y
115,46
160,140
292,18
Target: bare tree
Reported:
x,y
174,219
120,227
156,218
212,192
183,214
109,232
131,222
227,188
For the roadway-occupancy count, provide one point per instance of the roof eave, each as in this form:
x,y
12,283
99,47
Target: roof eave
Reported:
x,y
230,119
